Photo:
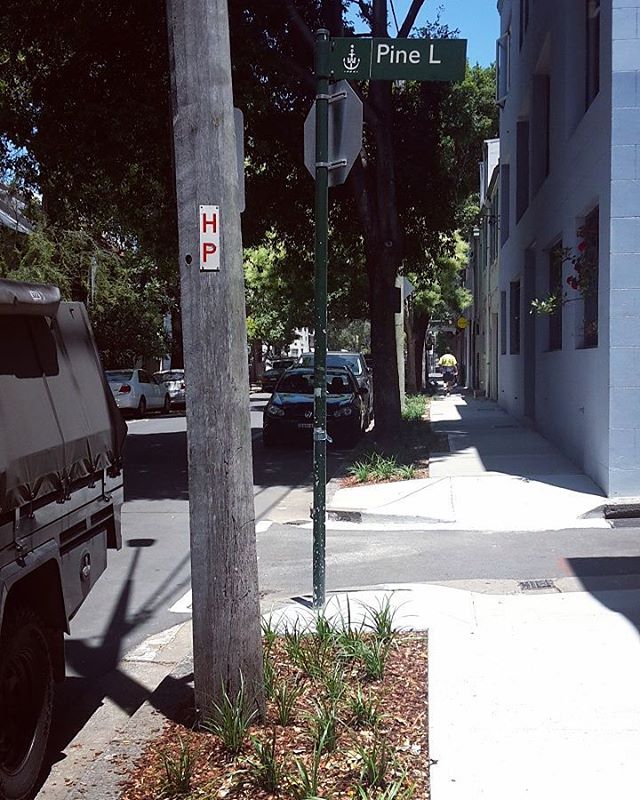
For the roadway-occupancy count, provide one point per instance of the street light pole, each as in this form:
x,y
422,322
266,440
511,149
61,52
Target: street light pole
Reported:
x,y
320,352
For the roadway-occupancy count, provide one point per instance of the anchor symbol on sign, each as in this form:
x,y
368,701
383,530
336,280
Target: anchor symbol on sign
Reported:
x,y
351,62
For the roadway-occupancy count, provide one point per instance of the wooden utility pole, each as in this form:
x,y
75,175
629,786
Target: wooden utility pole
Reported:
x,y
224,569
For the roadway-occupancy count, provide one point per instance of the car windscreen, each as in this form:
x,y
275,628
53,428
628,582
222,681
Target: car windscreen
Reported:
x,y
303,384
122,375
336,360
353,362
339,384
296,384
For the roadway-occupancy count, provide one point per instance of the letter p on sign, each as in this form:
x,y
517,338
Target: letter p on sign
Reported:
x,y
209,225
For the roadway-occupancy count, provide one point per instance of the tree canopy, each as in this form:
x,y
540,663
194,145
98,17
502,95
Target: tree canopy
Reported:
x,y
125,299
85,122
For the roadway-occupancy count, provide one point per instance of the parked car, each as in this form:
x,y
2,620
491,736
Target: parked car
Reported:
x,y
358,366
173,380
272,376
290,409
137,391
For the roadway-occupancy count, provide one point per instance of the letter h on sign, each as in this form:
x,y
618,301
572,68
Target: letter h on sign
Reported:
x,y
209,219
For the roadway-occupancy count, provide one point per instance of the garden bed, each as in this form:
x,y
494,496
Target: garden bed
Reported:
x,y
346,717
406,457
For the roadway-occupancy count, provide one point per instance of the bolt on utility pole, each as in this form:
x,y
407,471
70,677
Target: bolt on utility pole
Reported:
x,y
224,571
320,351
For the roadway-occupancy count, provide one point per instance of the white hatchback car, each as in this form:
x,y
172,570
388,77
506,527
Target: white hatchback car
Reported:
x,y
136,391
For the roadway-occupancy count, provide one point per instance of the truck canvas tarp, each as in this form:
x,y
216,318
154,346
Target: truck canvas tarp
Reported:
x,y
51,379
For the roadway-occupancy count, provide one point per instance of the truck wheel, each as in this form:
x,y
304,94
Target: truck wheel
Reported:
x,y
26,701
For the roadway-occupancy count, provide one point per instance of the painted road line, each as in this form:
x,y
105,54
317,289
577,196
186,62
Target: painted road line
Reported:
x,y
183,605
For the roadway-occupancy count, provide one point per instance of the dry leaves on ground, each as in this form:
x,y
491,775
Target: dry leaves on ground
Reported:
x,y
397,742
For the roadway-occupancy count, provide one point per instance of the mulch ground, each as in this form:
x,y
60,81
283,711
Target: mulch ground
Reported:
x,y
414,445
402,703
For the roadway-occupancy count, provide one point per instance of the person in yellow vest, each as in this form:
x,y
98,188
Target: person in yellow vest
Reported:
x,y
449,366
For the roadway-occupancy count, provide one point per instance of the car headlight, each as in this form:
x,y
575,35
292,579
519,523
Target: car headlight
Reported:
x,y
275,411
345,411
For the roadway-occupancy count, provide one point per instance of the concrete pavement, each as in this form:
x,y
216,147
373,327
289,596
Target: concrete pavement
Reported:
x,y
529,696
497,475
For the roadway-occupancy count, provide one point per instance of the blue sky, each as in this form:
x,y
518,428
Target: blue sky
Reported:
x,y
477,20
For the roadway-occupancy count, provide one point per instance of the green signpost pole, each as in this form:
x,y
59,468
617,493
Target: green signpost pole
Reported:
x,y
320,352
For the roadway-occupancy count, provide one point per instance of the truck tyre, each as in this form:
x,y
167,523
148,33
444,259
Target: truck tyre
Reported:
x,y
26,701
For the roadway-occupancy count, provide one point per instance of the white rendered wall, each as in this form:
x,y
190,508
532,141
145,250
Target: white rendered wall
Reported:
x,y
571,387
624,229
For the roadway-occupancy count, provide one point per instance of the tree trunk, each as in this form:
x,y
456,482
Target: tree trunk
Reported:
x,y
257,367
227,646
420,326
373,183
386,395
411,368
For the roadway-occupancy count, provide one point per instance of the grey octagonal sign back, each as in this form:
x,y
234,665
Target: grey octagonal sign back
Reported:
x,y
345,133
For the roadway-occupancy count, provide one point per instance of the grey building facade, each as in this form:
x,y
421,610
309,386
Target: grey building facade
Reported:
x,y
569,90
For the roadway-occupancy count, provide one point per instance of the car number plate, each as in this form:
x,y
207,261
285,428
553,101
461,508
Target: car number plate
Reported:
x,y
305,424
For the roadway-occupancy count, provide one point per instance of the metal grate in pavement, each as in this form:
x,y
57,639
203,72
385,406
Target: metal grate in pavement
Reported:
x,y
531,586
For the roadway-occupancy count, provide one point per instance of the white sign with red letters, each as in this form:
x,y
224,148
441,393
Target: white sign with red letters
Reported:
x,y
209,221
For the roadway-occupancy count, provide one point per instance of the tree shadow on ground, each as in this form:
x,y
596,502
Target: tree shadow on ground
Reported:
x,y
99,674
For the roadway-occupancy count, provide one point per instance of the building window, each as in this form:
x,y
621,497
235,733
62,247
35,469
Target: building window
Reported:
x,y
503,67
522,167
504,203
555,289
546,120
493,229
592,50
514,317
524,19
590,275
503,323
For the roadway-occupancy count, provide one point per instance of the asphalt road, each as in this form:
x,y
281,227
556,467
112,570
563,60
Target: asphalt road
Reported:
x,y
143,581
144,587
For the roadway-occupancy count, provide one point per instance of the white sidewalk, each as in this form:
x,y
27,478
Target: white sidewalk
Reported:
x,y
530,697
498,475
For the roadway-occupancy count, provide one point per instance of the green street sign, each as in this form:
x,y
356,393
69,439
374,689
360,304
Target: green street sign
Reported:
x,y
398,59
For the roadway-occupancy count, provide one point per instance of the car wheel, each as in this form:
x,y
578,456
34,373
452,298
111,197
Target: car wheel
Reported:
x,y
142,407
26,701
166,408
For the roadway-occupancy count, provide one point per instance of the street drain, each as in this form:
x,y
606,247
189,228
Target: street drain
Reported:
x,y
532,586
